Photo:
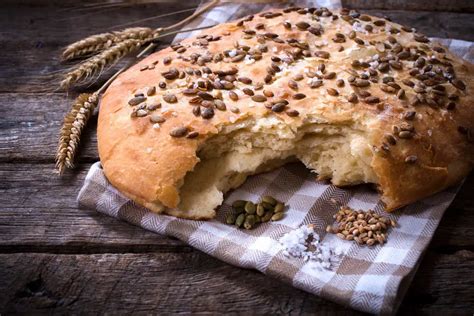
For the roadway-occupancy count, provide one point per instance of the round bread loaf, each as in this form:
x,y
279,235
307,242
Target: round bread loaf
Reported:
x,y
356,98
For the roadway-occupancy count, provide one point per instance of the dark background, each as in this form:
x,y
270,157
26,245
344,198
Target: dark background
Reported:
x,y
56,258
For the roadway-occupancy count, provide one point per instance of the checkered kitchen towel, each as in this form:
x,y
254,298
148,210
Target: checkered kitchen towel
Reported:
x,y
370,279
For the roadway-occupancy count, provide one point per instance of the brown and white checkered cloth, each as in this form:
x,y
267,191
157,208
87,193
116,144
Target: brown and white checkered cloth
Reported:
x,y
370,279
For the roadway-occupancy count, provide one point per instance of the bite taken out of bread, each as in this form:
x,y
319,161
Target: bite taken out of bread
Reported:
x,y
356,98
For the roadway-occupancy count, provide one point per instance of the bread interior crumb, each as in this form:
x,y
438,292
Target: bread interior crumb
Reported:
x,y
337,152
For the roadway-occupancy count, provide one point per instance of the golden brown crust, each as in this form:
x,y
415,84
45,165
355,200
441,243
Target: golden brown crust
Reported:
x,y
144,162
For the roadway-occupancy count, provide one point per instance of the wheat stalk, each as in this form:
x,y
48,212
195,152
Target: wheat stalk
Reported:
x,y
71,130
97,63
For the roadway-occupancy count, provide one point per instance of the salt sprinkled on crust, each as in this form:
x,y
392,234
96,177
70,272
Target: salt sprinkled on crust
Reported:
x,y
233,53
305,243
357,26
248,60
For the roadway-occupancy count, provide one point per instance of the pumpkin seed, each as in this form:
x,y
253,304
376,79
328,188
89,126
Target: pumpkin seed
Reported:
x,y
196,110
207,113
260,209
322,54
156,118
136,100
179,131
292,113
230,219
245,80
270,200
170,98
332,92
371,100
280,207
153,106
141,113
151,91
278,107
250,207
278,216
249,221
233,96
292,84
259,98
268,215
315,84
411,159
240,220
239,204
268,206
268,93
459,84
192,135
299,96
220,105
353,98
302,25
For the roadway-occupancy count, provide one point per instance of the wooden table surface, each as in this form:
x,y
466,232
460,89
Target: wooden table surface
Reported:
x,y
57,258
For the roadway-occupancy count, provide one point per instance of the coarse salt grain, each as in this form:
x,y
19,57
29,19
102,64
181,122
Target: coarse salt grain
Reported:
x,y
357,26
248,60
233,53
305,243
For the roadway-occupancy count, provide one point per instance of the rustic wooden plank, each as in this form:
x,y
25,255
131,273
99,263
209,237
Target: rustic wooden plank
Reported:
x,y
412,5
147,283
442,284
197,283
40,213
458,221
30,126
34,38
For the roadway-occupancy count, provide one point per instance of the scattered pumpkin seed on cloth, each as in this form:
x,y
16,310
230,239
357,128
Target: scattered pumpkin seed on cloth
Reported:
x,y
247,214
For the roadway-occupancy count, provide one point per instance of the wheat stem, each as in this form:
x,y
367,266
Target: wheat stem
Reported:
x,y
195,14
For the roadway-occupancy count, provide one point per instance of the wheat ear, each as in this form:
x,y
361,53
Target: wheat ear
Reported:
x,y
97,63
99,42
139,33
73,125
89,45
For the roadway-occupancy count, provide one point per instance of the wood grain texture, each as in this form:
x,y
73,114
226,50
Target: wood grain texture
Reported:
x,y
194,283
413,5
40,214
57,258
29,128
40,34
